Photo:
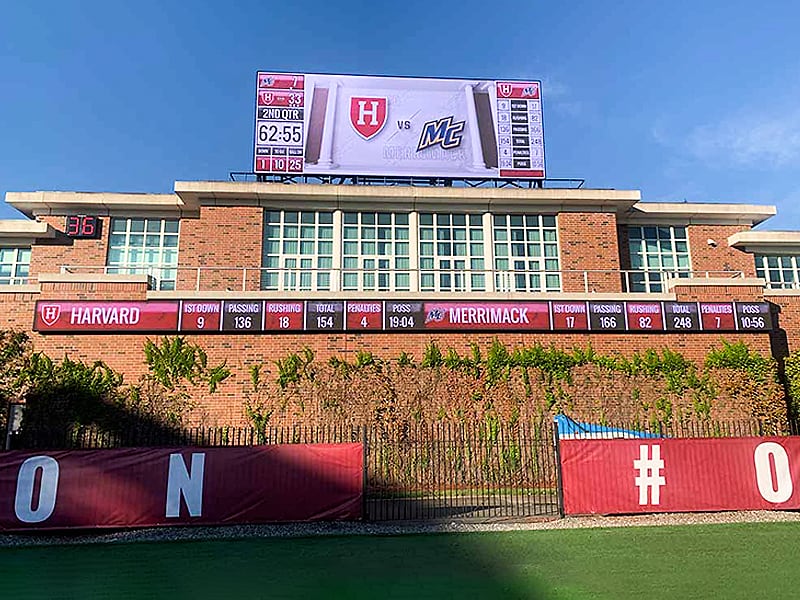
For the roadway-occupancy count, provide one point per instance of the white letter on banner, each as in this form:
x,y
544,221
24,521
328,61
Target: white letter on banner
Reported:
x,y
180,483
23,502
783,476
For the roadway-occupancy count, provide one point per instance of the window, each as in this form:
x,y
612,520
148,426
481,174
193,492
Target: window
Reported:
x,y
526,253
145,246
297,253
656,253
779,271
375,251
451,252
14,265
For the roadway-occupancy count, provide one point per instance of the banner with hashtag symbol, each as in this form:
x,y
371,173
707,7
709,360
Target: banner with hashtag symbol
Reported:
x,y
622,476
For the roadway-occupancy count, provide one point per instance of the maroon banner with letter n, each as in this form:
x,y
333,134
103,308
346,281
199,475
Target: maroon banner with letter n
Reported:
x,y
680,475
140,487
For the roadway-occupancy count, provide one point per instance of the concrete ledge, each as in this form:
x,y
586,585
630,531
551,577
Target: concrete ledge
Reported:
x,y
311,196
29,288
689,213
100,203
91,278
428,296
766,242
781,292
715,282
21,232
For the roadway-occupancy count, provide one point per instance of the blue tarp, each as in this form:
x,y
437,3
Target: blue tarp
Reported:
x,y
571,429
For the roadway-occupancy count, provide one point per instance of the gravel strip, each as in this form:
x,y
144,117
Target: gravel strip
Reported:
x,y
233,532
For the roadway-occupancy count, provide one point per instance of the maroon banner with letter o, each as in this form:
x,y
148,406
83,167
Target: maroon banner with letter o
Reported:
x,y
140,487
680,475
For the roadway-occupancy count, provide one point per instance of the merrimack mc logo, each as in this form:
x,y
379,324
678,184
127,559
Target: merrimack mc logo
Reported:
x,y
368,115
442,132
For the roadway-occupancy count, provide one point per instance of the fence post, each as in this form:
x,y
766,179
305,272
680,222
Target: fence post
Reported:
x,y
559,482
364,454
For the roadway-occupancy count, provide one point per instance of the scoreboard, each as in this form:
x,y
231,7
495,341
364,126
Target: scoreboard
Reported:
x,y
365,125
276,316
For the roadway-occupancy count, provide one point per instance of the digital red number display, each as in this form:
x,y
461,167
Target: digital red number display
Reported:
x,y
82,226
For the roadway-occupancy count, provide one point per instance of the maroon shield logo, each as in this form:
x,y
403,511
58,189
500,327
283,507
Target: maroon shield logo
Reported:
x,y
368,115
505,89
50,313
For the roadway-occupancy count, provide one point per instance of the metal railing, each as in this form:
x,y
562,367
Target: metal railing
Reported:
x,y
205,278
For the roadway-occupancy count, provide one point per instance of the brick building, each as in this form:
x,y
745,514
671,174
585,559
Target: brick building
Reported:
x,y
253,270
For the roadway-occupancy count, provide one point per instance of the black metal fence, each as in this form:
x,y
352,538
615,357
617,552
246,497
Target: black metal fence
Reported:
x,y
415,472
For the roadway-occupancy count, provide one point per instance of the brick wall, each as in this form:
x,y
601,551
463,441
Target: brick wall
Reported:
x,y
124,352
785,338
223,236
588,241
232,237
721,257
47,256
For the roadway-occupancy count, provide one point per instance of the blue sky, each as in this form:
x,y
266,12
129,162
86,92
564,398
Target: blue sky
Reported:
x,y
692,101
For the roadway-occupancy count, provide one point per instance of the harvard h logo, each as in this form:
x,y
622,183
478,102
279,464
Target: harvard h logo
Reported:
x,y
368,115
50,313
505,90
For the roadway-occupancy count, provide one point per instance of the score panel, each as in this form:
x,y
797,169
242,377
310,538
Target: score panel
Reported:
x,y
753,316
607,316
404,316
717,316
258,316
243,316
644,316
200,316
570,316
364,316
326,315
681,316
284,316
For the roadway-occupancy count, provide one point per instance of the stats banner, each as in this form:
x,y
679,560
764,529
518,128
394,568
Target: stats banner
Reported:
x,y
680,475
142,487
364,125
277,316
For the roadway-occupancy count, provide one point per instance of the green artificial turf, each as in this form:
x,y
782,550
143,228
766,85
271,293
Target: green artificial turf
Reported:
x,y
712,561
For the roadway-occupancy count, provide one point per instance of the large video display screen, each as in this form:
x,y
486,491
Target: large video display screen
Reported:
x,y
398,126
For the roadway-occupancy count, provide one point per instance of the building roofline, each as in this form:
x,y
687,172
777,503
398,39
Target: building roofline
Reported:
x,y
190,195
685,213
766,242
44,203
331,196
21,232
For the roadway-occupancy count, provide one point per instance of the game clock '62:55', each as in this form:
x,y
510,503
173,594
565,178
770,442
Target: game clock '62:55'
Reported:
x,y
275,132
